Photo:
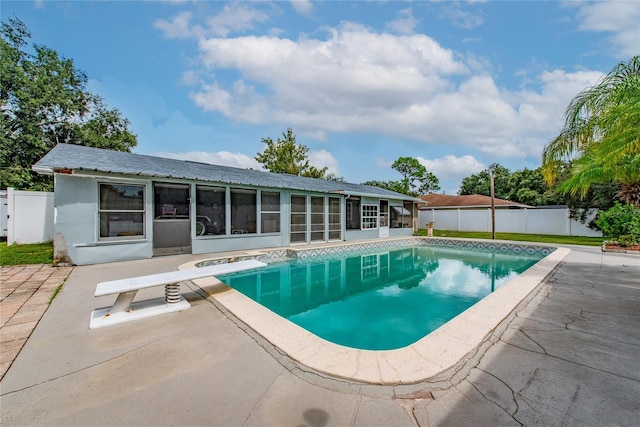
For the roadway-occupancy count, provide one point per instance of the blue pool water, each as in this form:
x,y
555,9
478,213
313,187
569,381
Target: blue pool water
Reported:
x,y
379,301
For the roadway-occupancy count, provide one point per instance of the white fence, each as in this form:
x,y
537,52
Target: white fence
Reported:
x,y
525,221
27,216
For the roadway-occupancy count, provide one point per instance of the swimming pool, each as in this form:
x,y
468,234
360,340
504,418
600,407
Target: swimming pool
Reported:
x,y
382,300
441,357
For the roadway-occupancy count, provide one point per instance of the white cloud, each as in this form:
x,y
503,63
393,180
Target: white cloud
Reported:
x,y
322,158
303,7
620,18
317,158
190,78
405,23
177,28
235,17
224,158
383,163
355,72
458,17
405,86
451,167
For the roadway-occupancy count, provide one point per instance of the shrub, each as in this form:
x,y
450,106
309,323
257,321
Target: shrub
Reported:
x,y
621,222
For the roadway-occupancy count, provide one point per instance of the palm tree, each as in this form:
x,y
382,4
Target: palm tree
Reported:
x,y
602,135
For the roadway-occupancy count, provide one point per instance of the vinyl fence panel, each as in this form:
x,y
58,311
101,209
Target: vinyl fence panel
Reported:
x,y
526,221
29,216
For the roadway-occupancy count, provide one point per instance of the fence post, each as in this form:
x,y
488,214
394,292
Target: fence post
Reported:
x,y
11,207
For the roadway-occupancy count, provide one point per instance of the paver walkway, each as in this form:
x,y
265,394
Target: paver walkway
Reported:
x,y
25,293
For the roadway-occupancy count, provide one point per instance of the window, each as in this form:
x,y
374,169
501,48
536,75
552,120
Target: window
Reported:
x,y
335,223
400,217
298,219
369,217
317,218
210,210
269,212
243,211
408,218
121,211
353,213
370,267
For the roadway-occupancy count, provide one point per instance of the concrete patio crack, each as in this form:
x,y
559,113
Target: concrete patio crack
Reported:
x,y
255,405
534,341
573,362
513,396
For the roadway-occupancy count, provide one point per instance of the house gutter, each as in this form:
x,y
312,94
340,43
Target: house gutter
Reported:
x,y
379,196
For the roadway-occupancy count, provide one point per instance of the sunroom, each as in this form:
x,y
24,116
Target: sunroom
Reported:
x,y
113,206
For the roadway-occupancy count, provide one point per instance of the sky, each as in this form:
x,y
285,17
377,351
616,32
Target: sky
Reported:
x,y
456,85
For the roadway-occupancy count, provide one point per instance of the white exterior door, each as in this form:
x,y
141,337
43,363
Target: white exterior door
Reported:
x,y
383,229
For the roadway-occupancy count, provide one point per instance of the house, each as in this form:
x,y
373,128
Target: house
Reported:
x,y
471,201
114,206
471,213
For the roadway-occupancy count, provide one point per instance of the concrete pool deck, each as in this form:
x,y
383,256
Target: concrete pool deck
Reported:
x,y
569,357
435,359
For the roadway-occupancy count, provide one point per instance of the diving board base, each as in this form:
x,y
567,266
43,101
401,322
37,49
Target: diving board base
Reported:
x,y
138,310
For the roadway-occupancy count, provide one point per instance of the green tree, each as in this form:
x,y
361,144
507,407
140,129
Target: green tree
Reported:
x,y
287,156
44,101
601,134
396,186
409,168
480,183
416,179
621,222
529,187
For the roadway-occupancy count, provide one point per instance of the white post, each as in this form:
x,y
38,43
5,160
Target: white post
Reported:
x,y
11,215
493,209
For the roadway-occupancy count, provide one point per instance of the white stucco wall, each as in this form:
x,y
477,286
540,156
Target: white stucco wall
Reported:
x,y
76,218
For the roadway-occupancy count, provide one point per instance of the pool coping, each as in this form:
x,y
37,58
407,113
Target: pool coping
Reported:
x,y
435,358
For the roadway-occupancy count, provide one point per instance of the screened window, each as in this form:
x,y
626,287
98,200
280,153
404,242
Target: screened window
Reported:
x,y
335,223
298,232
353,213
210,210
270,212
408,218
243,211
317,218
369,217
400,217
121,211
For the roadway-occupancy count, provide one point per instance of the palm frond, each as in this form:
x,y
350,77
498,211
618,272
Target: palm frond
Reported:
x,y
602,128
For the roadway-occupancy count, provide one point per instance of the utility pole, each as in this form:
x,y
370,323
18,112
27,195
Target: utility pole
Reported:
x,y
493,209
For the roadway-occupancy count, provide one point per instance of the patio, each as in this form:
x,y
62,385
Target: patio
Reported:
x,y
568,358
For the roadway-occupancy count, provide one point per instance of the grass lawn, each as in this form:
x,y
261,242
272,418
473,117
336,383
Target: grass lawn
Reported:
x,y
37,253
542,238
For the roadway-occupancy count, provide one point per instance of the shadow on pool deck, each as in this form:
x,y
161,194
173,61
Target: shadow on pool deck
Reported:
x,y
570,357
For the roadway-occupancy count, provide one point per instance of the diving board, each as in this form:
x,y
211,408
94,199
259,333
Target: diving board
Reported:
x,y
124,309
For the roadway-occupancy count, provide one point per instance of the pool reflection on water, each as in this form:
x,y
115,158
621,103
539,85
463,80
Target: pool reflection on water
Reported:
x,y
379,301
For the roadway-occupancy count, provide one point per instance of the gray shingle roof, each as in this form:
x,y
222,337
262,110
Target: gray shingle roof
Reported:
x,y
81,158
